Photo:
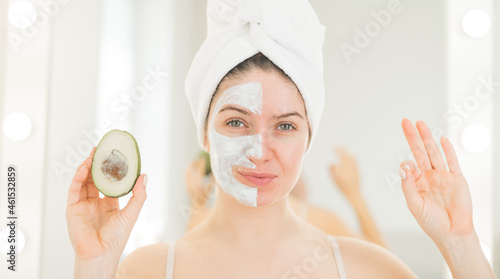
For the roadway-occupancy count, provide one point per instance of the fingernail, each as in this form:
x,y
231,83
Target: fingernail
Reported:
x,y
145,180
402,173
81,168
406,166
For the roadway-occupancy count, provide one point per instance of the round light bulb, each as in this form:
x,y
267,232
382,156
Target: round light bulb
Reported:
x,y
475,138
17,126
22,14
476,23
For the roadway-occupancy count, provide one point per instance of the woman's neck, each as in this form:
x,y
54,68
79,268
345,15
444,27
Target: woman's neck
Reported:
x,y
242,224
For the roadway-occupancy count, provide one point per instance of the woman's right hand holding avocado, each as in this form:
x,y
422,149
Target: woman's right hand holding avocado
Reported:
x,y
97,228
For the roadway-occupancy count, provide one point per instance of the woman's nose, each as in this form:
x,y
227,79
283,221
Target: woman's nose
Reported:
x,y
266,149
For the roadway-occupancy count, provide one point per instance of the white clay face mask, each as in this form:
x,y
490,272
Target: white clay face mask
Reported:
x,y
226,152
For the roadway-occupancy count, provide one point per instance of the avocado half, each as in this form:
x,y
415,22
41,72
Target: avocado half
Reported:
x,y
116,164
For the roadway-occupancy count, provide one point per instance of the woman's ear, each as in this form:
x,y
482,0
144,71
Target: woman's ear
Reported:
x,y
206,143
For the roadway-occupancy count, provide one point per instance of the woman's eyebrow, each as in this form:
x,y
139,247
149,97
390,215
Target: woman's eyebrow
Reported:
x,y
236,109
285,115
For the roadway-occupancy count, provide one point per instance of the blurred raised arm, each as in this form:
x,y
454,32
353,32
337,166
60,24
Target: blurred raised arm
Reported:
x,y
346,177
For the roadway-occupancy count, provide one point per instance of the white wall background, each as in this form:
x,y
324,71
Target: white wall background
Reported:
x,y
400,73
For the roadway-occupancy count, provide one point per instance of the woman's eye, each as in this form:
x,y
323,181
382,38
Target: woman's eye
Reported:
x,y
235,123
286,126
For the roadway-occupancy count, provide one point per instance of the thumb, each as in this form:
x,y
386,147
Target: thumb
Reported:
x,y
409,187
132,209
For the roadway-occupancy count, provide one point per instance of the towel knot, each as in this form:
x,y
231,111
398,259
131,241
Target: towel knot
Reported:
x,y
232,13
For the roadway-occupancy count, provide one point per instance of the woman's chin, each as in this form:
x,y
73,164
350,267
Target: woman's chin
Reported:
x,y
266,199
266,195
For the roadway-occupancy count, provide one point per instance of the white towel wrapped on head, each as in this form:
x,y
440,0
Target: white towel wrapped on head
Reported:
x,y
287,32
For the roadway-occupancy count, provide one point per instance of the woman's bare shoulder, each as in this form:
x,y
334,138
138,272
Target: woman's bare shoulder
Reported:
x,y
362,258
146,262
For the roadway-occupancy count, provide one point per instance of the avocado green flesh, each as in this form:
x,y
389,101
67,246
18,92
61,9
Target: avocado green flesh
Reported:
x,y
116,164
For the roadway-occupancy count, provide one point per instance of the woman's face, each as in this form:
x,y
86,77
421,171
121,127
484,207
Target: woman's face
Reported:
x,y
257,135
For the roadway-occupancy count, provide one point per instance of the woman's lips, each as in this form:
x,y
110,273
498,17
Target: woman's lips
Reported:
x,y
260,179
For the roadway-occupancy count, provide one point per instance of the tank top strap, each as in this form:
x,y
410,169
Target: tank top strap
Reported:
x,y
170,260
338,256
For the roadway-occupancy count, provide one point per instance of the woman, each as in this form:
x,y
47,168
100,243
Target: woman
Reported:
x,y
257,123
270,241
